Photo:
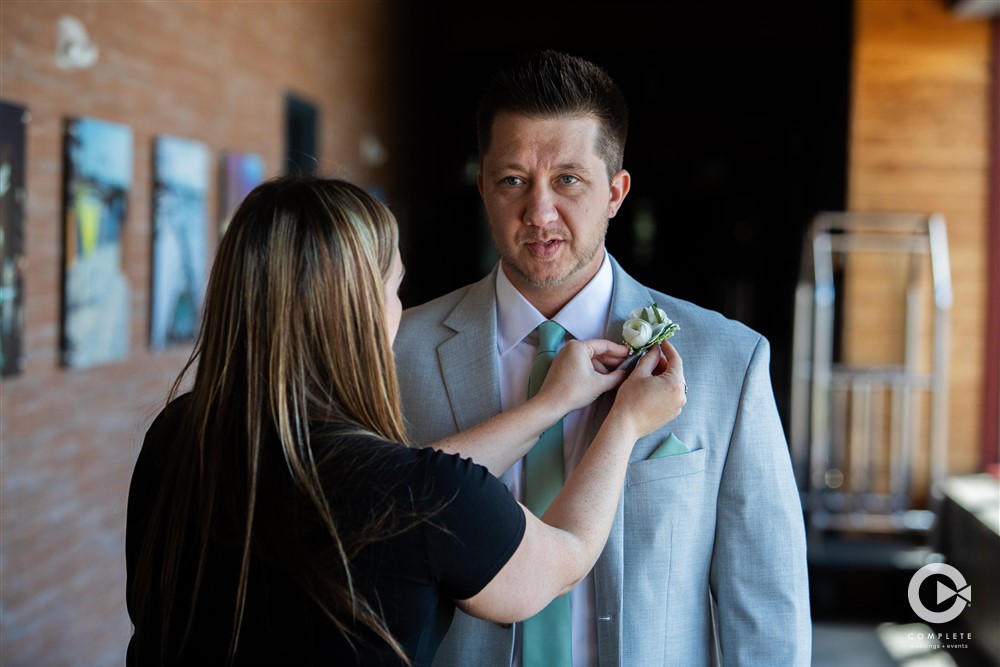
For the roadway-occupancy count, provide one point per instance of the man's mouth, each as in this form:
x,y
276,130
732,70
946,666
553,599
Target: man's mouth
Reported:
x,y
545,248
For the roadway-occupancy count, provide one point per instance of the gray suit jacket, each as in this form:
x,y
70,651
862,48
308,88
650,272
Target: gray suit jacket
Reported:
x,y
707,551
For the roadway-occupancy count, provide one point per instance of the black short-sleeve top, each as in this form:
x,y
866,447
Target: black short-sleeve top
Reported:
x,y
448,527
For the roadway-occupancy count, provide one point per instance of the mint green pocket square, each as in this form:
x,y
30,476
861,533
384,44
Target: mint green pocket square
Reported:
x,y
669,447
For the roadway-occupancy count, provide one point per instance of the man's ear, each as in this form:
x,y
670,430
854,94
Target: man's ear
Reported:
x,y
479,184
620,184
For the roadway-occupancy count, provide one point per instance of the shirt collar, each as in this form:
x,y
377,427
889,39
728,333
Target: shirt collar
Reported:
x,y
584,317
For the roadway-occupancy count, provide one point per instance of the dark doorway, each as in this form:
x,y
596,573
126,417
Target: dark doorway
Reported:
x,y
738,136
301,123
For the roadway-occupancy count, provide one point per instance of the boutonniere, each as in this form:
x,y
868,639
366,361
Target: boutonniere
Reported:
x,y
647,327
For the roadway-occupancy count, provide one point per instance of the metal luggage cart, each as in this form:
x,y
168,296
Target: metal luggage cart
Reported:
x,y
869,436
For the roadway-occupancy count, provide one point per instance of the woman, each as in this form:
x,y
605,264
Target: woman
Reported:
x,y
275,514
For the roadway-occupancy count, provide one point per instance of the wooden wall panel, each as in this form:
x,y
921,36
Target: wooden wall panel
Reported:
x,y
919,142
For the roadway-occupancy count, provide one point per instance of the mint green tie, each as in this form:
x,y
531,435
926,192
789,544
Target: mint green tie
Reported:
x,y
547,638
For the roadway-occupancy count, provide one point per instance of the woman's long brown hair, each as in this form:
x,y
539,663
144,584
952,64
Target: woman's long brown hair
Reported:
x,y
293,333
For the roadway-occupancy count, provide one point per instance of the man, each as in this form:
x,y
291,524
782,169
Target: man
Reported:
x,y
707,553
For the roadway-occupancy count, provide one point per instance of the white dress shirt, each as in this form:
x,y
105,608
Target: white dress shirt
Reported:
x,y
584,317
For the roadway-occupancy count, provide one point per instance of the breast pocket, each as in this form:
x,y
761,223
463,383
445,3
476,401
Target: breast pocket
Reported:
x,y
642,472
664,506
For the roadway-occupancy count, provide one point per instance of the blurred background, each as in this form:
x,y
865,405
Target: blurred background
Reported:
x,y
130,130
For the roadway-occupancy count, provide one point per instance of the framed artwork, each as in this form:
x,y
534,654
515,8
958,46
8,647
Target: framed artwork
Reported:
x,y
239,174
13,120
98,177
180,188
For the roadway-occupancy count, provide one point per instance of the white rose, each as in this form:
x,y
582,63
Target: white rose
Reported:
x,y
647,326
637,332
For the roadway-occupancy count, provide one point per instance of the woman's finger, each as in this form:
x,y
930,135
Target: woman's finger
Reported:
x,y
605,354
600,347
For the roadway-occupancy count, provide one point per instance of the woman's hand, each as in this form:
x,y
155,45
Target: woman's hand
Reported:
x,y
654,393
578,375
559,548
581,372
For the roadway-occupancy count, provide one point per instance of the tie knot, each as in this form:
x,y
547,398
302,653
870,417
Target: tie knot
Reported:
x,y
550,334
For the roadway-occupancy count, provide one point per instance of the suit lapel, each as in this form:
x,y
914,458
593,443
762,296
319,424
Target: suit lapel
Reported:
x,y
469,367
626,295
468,359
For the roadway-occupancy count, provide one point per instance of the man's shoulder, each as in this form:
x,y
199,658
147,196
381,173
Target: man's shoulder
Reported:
x,y
695,321
434,311
431,323
470,300
704,316
703,324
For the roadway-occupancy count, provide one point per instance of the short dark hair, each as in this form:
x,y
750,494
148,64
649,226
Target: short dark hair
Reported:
x,y
551,84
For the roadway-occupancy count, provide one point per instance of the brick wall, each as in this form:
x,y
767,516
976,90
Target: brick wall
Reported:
x,y
215,72
919,142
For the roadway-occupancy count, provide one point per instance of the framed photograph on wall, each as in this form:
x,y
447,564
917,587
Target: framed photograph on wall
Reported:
x,y
98,177
180,190
14,120
239,173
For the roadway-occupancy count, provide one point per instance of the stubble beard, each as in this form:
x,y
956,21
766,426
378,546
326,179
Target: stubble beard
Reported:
x,y
510,261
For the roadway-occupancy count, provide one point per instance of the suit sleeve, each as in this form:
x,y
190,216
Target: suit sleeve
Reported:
x,y
758,573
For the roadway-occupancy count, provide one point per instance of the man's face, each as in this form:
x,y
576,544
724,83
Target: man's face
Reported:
x,y
548,200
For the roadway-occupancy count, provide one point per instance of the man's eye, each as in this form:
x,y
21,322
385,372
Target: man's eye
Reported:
x,y
568,180
511,180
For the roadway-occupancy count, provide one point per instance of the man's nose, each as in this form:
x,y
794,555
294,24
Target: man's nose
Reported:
x,y
540,208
